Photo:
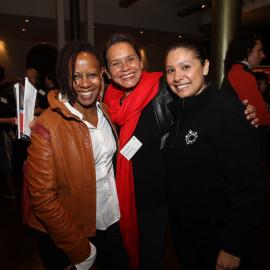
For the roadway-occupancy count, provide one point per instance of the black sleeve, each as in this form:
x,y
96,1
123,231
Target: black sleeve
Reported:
x,y
237,147
160,102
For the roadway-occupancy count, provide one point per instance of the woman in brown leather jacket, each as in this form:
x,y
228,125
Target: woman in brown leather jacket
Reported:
x,y
69,171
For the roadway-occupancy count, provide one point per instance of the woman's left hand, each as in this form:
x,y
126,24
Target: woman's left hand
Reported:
x,y
226,261
250,113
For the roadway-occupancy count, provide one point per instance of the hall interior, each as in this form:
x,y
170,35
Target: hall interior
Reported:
x,y
153,23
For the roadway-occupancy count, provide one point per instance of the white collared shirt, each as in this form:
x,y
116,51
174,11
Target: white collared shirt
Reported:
x,y
104,147
246,63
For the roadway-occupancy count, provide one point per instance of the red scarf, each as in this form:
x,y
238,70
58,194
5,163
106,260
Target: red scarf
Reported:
x,y
127,116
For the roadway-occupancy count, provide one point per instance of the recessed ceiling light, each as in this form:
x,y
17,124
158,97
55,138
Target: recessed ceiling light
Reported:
x,y
204,6
23,29
26,20
141,32
179,36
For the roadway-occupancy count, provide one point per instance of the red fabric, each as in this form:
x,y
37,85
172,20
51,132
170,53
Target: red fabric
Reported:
x,y
245,85
127,116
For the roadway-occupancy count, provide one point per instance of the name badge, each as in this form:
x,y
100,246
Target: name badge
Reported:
x,y
131,147
41,92
3,100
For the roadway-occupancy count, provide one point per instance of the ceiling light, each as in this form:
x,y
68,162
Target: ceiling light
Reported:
x,y
179,36
26,20
23,29
141,32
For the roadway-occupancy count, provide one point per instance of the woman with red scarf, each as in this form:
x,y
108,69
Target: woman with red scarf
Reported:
x,y
139,180
137,102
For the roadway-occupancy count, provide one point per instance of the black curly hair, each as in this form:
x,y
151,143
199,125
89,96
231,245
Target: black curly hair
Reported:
x,y
239,48
68,55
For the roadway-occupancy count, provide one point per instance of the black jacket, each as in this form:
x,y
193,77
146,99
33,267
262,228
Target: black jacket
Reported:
x,y
160,102
216,184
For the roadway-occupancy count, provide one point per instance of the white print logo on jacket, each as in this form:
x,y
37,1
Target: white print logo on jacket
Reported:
x,y
191,137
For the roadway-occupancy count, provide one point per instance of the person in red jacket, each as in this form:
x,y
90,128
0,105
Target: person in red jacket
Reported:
x,y
245,52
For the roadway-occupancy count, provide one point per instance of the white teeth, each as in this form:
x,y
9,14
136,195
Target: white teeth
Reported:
x,y
86,94
179,87
127,76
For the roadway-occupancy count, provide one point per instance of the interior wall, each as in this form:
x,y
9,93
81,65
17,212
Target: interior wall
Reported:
x,y
13,56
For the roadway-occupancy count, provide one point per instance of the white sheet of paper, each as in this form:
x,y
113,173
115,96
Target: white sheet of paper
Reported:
x,y
30,94
17,96
131,147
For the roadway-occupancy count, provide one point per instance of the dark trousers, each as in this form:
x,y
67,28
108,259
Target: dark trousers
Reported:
x,y
152,228
195,253
110,251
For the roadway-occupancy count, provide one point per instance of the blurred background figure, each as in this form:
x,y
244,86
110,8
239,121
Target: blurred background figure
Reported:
x,y
244,53
263,85
33,76
49,83
8,188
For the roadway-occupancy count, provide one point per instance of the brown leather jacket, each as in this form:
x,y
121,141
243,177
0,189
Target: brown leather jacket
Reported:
x,y
60,177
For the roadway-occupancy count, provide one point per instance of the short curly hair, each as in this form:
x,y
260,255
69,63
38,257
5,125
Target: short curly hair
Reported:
x,y
240,48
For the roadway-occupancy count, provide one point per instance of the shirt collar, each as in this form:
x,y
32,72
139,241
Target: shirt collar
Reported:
x,y
246,63
74,111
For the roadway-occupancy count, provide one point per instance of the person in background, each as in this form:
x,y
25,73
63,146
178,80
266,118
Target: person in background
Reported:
x,y
8,121
244,53
50,81
20,145
263,85
137,102
33,76
262,79
69,170
216,184
48,84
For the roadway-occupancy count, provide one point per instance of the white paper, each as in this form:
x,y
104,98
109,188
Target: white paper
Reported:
x,y
19,88
30,93
25,106
131,147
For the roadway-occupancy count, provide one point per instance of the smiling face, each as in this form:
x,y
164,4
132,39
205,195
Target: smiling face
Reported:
x,y
185,72
124,65
86,80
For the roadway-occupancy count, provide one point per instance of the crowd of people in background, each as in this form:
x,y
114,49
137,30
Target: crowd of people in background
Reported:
x,y
111,172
